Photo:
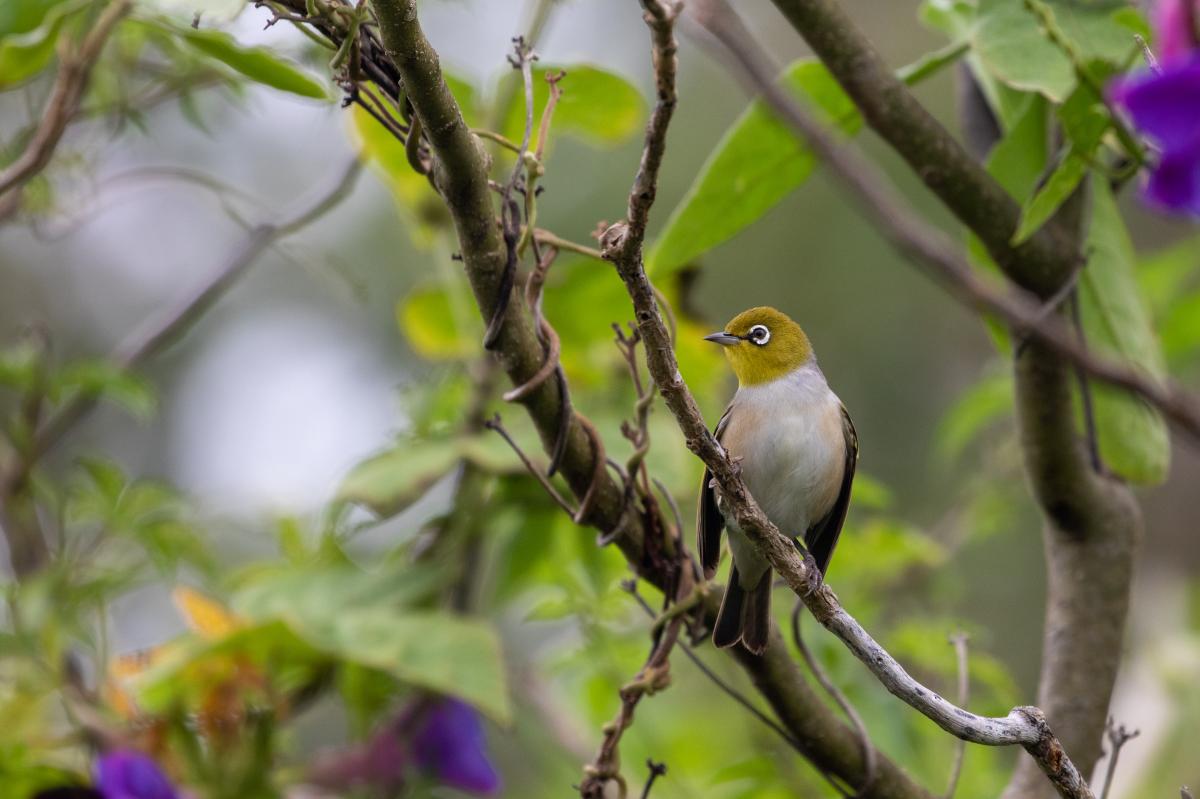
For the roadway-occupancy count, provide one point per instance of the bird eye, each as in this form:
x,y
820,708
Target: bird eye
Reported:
x,y
759,335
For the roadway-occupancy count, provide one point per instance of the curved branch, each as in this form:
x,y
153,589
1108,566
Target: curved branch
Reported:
x,y
622,244
1093,521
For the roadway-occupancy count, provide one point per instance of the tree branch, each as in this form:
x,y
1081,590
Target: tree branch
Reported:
x,y
621,243
74,71
460,172
1092,521
928,247
1041,264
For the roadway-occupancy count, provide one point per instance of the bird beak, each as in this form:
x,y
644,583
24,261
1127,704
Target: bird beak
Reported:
x,y
724,339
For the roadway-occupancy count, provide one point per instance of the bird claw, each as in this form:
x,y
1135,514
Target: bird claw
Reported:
x,y
813,579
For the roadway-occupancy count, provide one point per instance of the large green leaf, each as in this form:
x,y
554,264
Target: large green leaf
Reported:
x,y
1016,162
983,404
1085,119
28,34
1014,48
1132,436
759,161
392,480
257,63
755,165
433,650
325,590
440,321
597,105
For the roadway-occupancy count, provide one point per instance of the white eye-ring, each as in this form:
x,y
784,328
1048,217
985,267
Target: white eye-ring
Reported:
x,y
759,335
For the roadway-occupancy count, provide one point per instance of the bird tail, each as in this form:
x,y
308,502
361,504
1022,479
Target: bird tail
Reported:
x,y
744,616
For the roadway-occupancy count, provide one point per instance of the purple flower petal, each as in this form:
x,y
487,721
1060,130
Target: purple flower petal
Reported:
x,y
1165,106
1172,39
126,774
451,746
1175,183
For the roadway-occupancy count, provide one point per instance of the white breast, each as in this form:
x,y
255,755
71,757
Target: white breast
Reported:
x,y
790,438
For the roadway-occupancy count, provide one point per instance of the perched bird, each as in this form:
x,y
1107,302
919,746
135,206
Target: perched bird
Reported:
x,y
797,450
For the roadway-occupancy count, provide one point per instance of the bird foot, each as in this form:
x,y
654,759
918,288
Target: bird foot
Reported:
x,y
813,579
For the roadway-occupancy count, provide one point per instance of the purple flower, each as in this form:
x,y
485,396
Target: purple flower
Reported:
x,y
1165,106
127,774
1173,36
450,745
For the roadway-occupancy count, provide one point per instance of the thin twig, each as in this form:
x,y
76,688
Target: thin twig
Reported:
x,y
74,72
622,243
496,425
689,651
653,677
1118,736
656,770
959,640
1147,54
842,701
548,238
510,215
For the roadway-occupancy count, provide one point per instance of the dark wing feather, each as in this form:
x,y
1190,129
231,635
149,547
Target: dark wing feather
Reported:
x,y
709,520
822,537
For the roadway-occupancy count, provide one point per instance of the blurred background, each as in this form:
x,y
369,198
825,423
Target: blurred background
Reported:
x,y
301,371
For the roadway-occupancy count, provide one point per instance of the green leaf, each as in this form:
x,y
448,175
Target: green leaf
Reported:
x,y
432,650
105,380
981,405
20,365
414,197
1013,47
322,592
1016,162
932,63
1085,119
755,165
1058,187
1132,436
440,322
389,482
28,33
257,63
759,161
597,105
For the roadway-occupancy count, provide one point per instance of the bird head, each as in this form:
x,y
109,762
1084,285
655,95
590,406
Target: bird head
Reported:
x,y
763,344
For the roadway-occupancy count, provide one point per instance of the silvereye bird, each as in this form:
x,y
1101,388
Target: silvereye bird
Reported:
x,y
797,450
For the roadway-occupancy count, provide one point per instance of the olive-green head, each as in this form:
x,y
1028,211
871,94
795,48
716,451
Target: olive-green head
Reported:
x,y
763,344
